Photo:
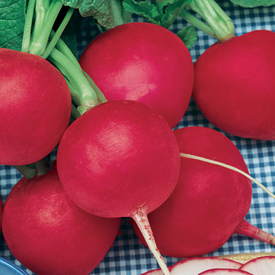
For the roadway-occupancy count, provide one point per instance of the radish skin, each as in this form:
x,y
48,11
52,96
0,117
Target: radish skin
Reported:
x,y
49,234
228,167
35,107
120,159
188,223
144,62
234,83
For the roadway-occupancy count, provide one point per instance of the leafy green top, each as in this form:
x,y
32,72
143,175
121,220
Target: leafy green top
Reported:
x,y
163,13
100,10
253,3
12,19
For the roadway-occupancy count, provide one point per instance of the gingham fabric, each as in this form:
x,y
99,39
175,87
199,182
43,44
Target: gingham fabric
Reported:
x,y
127,256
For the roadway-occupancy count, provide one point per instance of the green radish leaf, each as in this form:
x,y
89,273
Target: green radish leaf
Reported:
x,y
100,10
145,9
164,3
171,11
188,35
253,3
12,20
160,12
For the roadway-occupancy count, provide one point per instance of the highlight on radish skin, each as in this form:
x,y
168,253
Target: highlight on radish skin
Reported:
x,y
49,234
189,222
120,159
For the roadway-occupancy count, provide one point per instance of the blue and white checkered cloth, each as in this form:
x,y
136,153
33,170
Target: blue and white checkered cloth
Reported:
x,y
127,256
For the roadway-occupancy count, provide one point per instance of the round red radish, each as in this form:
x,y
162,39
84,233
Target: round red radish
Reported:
x,y
260,266
120,159
209,201
117,157
144,62
234,85
222,271
49,234
35,107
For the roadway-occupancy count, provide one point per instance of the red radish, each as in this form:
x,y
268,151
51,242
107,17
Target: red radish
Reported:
x,y
219,271
234,85
144,62
193,266
49,234
234,78
35,107
209,202
260,266
120,159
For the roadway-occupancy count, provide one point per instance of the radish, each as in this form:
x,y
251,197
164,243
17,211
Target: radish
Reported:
x,y
35,107
219,271
234,78
209,203
235,83
144,62
49,234
194,266
120,159
36,96
260,266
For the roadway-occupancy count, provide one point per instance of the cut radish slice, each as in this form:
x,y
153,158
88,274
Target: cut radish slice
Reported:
x,y
194,266
222,271
260,266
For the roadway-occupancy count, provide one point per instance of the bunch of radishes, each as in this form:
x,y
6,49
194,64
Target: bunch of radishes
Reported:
x,y
118,155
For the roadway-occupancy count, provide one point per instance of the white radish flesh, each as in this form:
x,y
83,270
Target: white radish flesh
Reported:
x,y
260,266
222,271
193,266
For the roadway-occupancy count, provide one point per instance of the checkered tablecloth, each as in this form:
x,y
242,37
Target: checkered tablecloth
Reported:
x,y
127,256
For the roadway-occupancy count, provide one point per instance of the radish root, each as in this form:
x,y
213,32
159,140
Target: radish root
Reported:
x,y
141,219
245,228
190,156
